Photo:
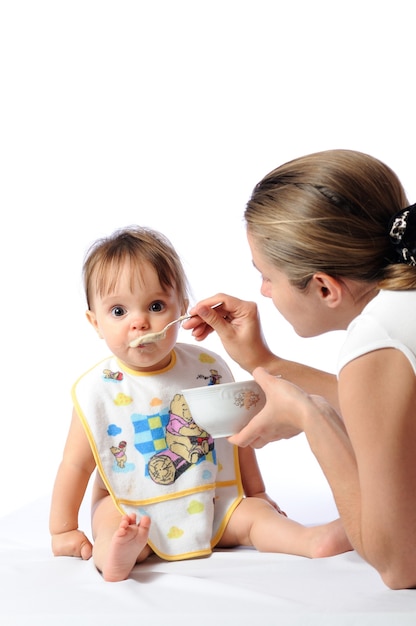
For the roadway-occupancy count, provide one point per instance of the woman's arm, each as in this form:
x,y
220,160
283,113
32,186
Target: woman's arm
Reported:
x,y
371,465
375,492
69,489
238,326
368,457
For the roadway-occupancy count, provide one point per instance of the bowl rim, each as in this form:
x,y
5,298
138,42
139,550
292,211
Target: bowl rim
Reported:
x,y
229,384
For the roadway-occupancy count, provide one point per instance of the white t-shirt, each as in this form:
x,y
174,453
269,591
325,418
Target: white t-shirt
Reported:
x,y
388,321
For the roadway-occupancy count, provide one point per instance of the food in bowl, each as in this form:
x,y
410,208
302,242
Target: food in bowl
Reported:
x,y
224,409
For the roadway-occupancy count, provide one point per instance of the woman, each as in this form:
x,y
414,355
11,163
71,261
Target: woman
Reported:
x,y
334,240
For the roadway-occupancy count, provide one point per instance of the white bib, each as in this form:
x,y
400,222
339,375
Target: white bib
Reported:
x,y
153,458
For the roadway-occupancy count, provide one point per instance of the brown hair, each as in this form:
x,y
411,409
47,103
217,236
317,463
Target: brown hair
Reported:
x,y
330,211
139,245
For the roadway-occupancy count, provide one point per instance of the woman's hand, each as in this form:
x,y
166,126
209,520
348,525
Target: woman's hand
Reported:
x,y
238,326
287,406
72,543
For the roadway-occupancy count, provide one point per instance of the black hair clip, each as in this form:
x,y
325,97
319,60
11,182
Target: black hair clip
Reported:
x,y
402,232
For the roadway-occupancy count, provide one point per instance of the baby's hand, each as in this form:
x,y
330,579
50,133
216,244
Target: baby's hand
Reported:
x,y
72,543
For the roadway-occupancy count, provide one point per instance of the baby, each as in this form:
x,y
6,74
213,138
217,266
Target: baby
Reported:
x,y
163,484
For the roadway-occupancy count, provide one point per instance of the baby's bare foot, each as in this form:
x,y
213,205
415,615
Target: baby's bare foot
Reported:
x,y
127,543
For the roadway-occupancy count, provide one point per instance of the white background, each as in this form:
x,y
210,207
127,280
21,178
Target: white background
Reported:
x,y
166,114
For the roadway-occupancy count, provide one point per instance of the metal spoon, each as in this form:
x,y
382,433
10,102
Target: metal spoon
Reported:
x,y
161,334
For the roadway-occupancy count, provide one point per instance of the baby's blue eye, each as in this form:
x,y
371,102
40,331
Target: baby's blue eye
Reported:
x,y
118,311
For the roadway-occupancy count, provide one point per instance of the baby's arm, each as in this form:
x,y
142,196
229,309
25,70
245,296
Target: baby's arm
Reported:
x,y
251,477
69,489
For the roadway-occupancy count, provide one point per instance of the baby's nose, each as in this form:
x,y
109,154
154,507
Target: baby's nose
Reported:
x,y
140,322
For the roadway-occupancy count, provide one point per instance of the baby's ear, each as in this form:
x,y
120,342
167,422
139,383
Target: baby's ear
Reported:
x,y
185,306
90,315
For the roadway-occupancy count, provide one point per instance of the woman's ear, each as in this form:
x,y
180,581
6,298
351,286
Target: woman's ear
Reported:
x,y
328,289
90,315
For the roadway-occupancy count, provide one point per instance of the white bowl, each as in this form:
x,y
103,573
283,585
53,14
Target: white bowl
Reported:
x,y
223,410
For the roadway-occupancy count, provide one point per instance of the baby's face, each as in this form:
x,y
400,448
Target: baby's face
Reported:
x,y
134,308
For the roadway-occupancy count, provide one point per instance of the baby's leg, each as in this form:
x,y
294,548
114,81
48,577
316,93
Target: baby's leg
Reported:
x,y
256,523
119,543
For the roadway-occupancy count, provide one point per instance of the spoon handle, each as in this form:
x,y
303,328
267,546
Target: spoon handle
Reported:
x,y
187,317
180,319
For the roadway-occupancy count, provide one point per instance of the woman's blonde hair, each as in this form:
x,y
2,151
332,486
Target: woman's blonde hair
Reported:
x,y
138,245
330,212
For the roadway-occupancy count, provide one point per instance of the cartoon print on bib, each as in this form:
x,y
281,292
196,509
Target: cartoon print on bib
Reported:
x,y
119,453
186,444
112,375
213,379
170,442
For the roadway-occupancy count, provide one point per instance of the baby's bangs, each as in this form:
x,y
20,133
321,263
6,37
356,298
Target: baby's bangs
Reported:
x,y
109,268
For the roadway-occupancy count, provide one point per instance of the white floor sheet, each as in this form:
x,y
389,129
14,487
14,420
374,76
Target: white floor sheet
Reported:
x,y
266,589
